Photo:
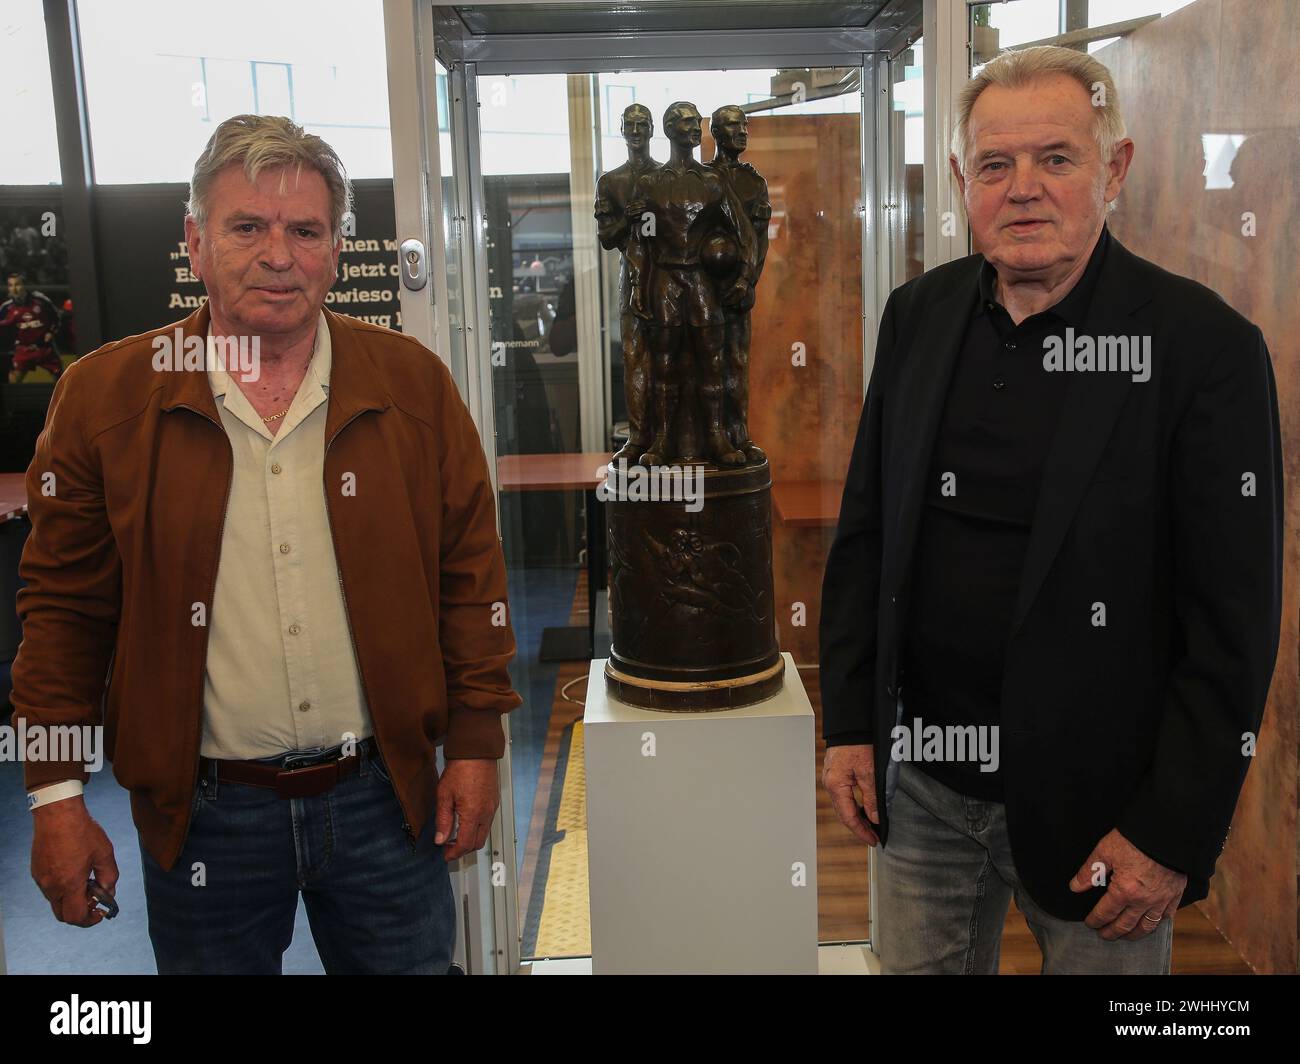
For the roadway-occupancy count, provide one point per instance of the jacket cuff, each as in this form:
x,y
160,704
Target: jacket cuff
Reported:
x,y
1179,848
42,773
474,733
855,738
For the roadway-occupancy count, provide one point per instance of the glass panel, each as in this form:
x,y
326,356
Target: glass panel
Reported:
x,y
31,151
1012,22
909,149
805,370
38,334
183,66
1002,25
1105,12
525,159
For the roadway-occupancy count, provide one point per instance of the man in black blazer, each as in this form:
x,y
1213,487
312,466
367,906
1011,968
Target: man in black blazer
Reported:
x,y
1051,610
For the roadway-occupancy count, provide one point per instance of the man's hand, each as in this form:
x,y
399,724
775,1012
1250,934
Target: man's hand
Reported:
x,y
67,846
468,792
1139,894
844,768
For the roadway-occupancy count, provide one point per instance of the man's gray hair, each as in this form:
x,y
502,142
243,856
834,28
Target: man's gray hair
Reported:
x,y
1015,69
262,142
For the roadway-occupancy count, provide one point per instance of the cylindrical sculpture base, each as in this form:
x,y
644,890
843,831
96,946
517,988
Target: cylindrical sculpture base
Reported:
x,y
690,587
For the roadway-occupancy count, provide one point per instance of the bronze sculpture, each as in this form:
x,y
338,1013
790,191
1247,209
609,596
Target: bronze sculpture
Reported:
x,y
613,192
691,603
684,218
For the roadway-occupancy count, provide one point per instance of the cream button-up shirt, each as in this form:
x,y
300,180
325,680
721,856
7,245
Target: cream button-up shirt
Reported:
x,y
281,667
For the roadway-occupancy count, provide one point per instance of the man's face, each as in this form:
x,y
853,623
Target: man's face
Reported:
x,y
733,131
684,128
637,129
1034,183
17,290
265,256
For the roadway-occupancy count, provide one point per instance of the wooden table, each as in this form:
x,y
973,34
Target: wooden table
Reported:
x,y
13,496
807,503
578,471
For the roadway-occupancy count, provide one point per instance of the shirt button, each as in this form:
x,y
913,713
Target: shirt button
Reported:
x,y
304,705
1011,345
284,548
999,384
275,467
294,629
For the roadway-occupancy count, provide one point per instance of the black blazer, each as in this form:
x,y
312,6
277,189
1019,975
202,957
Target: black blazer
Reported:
x,y
1137,725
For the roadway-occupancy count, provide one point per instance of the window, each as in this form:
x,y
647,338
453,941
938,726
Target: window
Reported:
x,y
177,68
31,150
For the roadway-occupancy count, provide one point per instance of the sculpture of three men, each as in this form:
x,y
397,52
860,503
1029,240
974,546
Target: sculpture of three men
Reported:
x,y
693,238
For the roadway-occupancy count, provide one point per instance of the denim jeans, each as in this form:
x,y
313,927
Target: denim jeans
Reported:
x,y
376,901
944,884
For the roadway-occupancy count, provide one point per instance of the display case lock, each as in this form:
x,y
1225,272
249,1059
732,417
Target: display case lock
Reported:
x,y
414,264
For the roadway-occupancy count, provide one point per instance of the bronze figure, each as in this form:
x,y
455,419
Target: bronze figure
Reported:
x,y
730,130
686,231
613,192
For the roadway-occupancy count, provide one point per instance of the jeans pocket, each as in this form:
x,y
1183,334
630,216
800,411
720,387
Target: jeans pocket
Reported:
x,y
378,767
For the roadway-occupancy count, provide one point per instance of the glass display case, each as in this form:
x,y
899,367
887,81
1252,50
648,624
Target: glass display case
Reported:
x,y
523,116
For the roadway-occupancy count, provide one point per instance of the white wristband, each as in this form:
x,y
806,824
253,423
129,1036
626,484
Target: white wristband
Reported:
x,y
55,792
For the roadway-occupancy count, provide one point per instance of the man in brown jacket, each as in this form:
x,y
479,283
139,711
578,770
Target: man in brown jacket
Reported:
x,y
264,552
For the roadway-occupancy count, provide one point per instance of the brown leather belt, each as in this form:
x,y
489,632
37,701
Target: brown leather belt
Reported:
x,y
303,775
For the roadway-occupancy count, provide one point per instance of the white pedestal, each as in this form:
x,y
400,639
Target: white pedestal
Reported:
x,y
702,835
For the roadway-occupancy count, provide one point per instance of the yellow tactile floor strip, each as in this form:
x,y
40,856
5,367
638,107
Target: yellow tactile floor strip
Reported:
x,y
565,926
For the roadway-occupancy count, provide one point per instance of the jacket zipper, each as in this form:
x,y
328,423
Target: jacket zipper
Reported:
x,y
207,627
347,613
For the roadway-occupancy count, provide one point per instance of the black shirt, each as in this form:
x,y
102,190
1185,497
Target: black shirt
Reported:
x,y
998,421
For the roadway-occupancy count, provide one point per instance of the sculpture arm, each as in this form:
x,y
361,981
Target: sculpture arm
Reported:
x,y
760,214
735,212
611,222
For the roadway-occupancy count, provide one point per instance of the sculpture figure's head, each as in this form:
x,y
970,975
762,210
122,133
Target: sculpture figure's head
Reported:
x,y
638,126
683,124
730,128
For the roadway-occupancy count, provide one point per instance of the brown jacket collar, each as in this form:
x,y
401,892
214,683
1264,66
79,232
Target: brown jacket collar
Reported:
x,y
354,381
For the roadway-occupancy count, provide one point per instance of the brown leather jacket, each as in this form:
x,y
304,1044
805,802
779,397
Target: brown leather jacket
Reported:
x,y
125,540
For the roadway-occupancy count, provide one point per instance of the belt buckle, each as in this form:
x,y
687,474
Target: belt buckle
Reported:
x,y
300,784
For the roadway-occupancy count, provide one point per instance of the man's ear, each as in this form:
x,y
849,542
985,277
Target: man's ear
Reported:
x,y
1117,168
956,172
193,237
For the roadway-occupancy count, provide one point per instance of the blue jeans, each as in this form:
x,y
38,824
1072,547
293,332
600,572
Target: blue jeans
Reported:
x,y
945,881
377,902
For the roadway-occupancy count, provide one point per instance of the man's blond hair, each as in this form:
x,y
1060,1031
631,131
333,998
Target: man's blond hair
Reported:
x,y
262,142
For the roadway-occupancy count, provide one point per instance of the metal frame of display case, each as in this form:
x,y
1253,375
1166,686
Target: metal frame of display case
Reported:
x,y
417,32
